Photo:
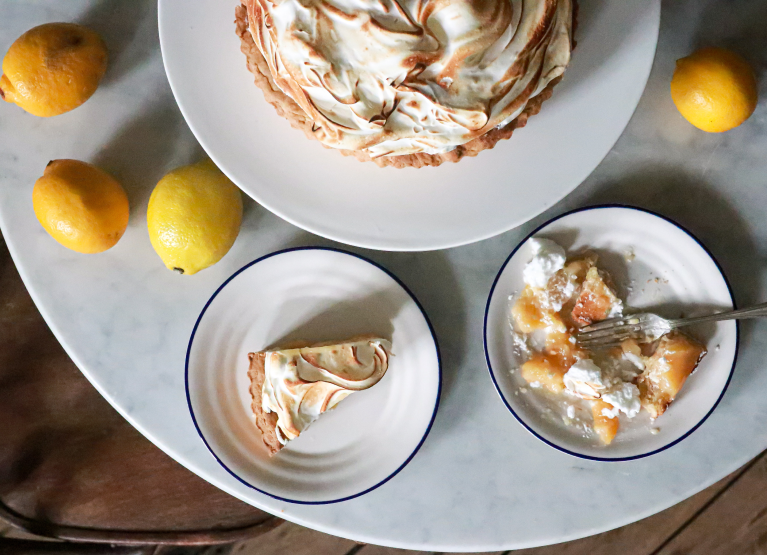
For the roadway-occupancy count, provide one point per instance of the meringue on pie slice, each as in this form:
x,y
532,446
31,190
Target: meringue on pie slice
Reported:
x,y
292,387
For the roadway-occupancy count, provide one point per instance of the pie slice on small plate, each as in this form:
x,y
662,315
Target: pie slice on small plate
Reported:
x,y
302,298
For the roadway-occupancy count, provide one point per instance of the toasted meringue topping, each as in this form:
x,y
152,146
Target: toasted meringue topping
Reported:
x,y
585,380
303,383
548,259
405,76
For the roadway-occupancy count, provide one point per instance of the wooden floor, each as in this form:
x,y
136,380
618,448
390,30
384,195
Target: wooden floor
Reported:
x,y
729,518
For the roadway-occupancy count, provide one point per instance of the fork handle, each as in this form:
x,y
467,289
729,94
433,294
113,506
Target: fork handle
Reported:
x,y
758,311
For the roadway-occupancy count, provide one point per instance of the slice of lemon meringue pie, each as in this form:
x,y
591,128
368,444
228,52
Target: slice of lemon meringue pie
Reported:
x,y
292,387
407,82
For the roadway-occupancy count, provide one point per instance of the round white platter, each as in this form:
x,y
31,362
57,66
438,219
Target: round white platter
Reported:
x,y
410,209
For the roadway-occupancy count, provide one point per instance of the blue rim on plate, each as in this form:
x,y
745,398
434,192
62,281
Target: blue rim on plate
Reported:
x,y
436,347
490,366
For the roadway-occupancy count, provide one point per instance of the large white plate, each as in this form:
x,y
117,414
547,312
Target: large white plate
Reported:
x,y
314,294
672,274
410,209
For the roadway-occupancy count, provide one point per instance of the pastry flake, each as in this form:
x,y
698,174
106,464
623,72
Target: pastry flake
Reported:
x,y
597,300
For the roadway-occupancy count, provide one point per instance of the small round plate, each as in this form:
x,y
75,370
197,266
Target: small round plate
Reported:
x,y
657,266
409,209
314,294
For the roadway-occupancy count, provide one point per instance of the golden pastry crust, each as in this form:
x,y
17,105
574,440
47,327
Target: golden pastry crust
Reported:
x,y
265,421
596,300
287,108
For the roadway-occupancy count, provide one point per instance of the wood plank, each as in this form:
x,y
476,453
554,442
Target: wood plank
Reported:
x,y
642,537
29,547
15,534
292,539
736,522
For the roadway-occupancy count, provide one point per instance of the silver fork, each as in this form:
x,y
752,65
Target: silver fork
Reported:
x,y
646,327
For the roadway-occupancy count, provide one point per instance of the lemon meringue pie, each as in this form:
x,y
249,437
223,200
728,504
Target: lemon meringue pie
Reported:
x,y
407,82
292,387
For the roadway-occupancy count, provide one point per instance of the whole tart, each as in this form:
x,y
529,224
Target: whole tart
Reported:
x,y
407,83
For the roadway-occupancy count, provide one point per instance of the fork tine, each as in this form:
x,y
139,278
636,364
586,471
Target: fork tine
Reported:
x,y
606,332
603,345
612,322
605,341
603,334
602,325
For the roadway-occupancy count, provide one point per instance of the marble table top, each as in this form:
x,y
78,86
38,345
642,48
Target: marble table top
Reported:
x,y
480,482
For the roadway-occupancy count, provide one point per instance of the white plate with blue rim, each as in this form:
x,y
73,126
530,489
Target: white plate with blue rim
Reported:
x,y
314,294
657,266
408,209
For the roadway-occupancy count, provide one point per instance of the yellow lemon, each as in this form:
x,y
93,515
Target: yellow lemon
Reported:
x,y
194,216
714,89
82,207
53,68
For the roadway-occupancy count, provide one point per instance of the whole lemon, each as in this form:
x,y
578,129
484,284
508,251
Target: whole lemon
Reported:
x,y
714,89
194,216
82,207
53,68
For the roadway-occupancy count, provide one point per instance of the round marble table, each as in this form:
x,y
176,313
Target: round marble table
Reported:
x,y
480,482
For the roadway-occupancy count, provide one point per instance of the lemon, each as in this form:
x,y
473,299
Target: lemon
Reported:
x,y
194,217
53,68
714,89
82,207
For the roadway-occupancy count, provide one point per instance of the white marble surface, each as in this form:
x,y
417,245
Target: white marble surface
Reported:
x,y
480,482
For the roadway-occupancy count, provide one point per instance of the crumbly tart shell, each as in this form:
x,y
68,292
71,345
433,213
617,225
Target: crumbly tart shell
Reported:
x,y
287,108
266,422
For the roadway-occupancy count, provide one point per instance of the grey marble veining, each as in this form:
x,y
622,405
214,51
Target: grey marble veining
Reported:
x,y
480,482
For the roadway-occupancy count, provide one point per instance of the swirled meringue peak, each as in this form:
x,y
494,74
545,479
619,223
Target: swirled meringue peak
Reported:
x,y
300,384
397,77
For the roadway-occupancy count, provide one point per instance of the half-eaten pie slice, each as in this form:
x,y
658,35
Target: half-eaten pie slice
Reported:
x,y
292,387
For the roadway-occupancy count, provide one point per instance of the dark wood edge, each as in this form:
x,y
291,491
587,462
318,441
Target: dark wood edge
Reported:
x,y
135,537
9,546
